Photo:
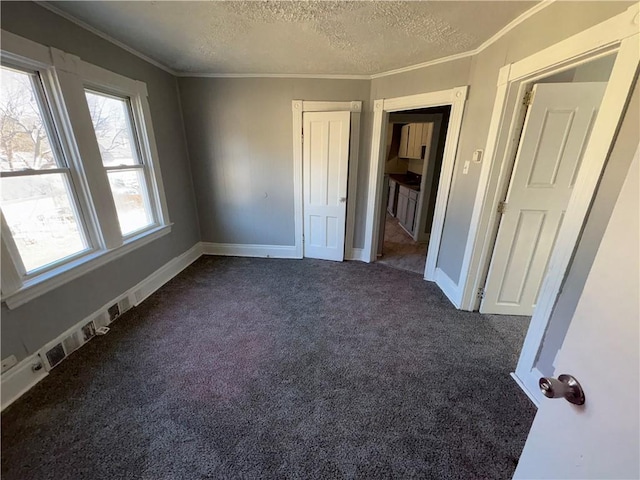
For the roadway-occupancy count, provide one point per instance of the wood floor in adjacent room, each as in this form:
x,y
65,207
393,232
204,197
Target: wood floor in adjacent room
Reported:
x,y
263,368
400,250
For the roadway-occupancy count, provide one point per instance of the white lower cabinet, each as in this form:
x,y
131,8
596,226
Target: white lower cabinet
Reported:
x,y
406,208
401,207
391,199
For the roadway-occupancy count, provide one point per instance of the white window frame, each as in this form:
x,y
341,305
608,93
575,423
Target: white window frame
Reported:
x,y
51,123
65,78
134,94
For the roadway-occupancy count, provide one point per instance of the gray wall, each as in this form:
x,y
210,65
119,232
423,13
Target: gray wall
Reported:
x,y
240,138
554,23
30,326
613,177
240,141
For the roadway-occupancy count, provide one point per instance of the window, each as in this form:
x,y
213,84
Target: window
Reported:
x,y
70,200
37,198
116,134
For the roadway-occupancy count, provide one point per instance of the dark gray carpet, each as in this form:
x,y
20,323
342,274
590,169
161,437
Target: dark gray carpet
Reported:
x,y
258,368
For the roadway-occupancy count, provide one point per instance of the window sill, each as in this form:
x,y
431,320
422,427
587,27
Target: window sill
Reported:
x,y
34,287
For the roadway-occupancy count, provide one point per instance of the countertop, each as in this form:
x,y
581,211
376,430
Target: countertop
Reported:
x,y
409,180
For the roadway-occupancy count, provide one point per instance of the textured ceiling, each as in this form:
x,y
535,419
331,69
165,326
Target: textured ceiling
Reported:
x,y
297,37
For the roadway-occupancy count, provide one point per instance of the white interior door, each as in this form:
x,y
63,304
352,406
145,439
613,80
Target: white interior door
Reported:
x,y
601,350
555,133
325,166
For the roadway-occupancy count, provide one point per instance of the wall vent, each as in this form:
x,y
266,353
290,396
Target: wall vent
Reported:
x,y
59,351
55,355
114,312
88,331
70,344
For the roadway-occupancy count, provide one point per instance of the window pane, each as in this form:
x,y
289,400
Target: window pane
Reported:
x,y
42,220
131,198
24,141
112,123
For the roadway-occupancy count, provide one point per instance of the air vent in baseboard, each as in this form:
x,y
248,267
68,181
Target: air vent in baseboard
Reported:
x,y
59,351
114,312
70,344
55,355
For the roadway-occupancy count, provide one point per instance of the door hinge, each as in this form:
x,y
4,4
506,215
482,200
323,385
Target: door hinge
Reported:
x,y
528,98
481,293
502,207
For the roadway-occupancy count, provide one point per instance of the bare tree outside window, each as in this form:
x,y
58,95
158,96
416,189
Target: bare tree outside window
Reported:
x,y
36,199
111,122
24,142
115,132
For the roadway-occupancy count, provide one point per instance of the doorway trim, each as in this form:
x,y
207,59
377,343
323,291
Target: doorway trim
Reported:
x,y
456,98
299,107
616,35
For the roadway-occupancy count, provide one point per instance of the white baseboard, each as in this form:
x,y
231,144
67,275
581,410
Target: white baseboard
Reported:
x,y
357,254
239,250
165,273
448,287
19,379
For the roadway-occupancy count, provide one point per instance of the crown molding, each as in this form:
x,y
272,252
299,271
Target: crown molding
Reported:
x,y
275,75
105,36
503,31
418,66
514,23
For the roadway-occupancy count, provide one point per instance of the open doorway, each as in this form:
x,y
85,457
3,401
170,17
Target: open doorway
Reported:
x,y
412,157
455,99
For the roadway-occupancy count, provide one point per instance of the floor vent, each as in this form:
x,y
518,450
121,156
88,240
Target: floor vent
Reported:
x,y
114,312
98,326
55,355
70,344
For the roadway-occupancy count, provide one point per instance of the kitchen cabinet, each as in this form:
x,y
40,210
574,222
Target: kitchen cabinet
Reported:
x,y
404,141
401,207
392,197
411,211
406,208
416,147
411,136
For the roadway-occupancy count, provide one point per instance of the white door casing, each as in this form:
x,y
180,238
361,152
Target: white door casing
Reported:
x,y
325,166
617,35
456,97
602,438
555,134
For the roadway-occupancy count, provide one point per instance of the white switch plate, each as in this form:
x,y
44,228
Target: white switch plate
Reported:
x,y
477,156
9,362
465,170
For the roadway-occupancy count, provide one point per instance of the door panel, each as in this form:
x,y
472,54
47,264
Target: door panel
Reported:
x,y
601,438
404,141
416,137
555,135
325,162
